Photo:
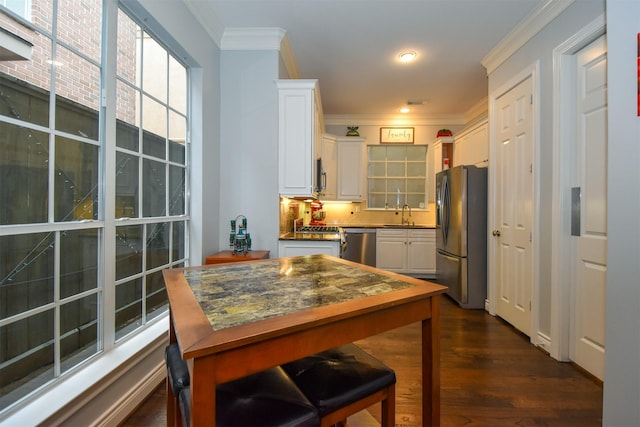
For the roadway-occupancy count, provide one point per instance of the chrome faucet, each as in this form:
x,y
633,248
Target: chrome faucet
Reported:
x,y
403,208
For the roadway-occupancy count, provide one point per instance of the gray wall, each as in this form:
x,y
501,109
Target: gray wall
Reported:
x,y
540,48
249,146
622,364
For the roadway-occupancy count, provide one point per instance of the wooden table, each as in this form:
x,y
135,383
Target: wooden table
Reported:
x,y
232,320
229,256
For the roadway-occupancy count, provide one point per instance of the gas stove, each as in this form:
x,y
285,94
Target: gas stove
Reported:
x,y
329,229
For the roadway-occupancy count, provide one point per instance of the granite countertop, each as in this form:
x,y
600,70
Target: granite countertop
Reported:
x,y
239,293
310,236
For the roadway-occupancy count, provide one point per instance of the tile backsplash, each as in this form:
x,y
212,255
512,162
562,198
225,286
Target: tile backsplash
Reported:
x,y
353,214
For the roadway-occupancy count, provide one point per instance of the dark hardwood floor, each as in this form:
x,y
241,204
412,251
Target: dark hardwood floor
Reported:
x,y
490,376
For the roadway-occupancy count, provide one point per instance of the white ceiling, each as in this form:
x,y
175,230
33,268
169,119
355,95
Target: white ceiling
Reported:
x,y
352,47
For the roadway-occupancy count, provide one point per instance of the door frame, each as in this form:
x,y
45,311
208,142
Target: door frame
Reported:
x,y
533,72
563,132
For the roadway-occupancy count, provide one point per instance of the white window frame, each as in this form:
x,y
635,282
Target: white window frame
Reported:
x,y
38,406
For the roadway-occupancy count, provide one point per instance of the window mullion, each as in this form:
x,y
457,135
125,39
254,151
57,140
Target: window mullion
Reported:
x,y
108,175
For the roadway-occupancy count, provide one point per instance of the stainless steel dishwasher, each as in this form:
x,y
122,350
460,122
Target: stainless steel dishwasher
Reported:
x,y
361,245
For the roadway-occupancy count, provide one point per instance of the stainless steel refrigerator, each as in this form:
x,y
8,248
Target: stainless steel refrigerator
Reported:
x,y
461,234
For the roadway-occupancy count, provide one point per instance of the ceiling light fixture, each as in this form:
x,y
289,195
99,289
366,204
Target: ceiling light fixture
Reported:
x,y
407,56
405,110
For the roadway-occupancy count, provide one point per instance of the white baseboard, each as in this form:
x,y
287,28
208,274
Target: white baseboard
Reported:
x,y
127,404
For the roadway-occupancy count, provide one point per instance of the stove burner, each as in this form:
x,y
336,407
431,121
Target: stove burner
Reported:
x,y
318,229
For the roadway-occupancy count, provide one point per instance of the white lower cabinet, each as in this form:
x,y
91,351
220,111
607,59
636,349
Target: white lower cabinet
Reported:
x,y
288,248
408,251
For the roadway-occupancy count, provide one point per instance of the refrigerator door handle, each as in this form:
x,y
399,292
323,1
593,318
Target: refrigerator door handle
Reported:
x,y
446,206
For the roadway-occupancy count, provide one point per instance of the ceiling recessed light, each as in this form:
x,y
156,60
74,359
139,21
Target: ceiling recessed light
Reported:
x,y
405,110
407,56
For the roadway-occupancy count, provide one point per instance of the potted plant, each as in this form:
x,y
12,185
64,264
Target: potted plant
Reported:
x,y
444,132
352,131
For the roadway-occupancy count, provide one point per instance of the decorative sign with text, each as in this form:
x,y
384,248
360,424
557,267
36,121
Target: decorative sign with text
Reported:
x,y
396,135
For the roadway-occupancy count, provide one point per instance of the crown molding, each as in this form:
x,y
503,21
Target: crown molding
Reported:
x,y
257,38
288,59
262,38
394,119
523,32
481,109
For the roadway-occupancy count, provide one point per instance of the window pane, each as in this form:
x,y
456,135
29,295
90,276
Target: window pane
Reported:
x,y
79,23
377,185
416,152
156,294
394,185
127,136
127,56
79,264
127,103
178,86
177,185
127,186
178,241
178,137
154,123
377,200
177,152
154,145
415,186
78,330
77,94
395,169
128,251
396,153
416,169
157,245
154,188
377,169
23,101
24,174
26,356
128,307
76,191
154,69
377,152
26,272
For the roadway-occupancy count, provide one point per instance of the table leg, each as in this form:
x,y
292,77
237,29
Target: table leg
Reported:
x,y
203,392
431,365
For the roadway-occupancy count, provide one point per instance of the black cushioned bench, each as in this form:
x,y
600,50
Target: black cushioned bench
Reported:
x,y
267,398
322,389
343,381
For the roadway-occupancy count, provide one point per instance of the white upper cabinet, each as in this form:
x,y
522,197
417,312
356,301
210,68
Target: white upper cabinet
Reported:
x,y
472,145
350,168
330,167
299,129
343,165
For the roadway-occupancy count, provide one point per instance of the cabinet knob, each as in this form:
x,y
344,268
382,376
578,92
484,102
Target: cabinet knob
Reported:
x,y
496,233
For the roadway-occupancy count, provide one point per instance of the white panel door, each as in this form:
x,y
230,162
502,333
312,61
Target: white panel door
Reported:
x,y
514,127
590,176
